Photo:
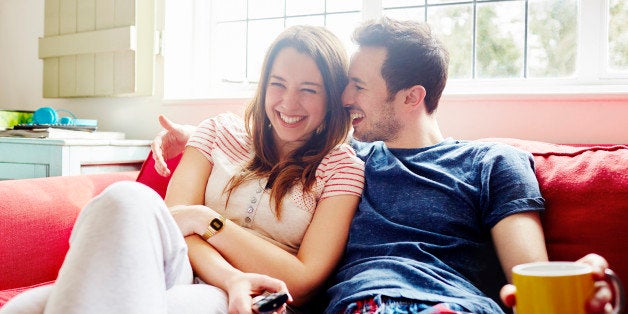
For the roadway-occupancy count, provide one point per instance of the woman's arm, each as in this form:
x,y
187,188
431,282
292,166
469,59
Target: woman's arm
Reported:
x,y
320,251
188,182
185,195
240,286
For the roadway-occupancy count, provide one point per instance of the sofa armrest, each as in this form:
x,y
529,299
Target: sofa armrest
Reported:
x,y
36,218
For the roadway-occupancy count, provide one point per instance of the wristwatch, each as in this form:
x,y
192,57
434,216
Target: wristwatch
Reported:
x,y
214,227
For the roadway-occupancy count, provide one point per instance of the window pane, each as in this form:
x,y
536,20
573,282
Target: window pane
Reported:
x,y
414,14
230,51
226,10
300,7
343,25
401,3
618,35
261,35
552,38
180,48
264,8
454,26
500,40
446,1
317,20
344,5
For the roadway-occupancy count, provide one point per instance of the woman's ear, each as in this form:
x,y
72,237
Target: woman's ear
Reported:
x,y
415,95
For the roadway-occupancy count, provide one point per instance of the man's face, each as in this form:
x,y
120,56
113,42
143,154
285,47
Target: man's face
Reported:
x,y
366,97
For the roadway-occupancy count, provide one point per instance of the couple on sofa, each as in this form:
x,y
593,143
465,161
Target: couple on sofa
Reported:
x,y
278,196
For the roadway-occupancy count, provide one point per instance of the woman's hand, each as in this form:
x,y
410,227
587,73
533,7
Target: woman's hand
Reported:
x,y
599,302
192,219
242,288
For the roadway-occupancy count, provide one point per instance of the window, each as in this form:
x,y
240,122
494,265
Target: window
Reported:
x,y
215,48
501,39
617,36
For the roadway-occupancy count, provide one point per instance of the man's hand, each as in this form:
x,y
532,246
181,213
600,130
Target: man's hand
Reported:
x,y
600,301
169,143
245,286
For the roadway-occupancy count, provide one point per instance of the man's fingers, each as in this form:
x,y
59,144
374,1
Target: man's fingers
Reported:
x,y
507,294
166,123
597,263
162,170
155,146
601,298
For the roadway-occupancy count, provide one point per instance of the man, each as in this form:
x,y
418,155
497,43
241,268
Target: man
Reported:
x,y
439,219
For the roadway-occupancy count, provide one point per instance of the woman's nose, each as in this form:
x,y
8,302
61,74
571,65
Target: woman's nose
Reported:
x,y
290,99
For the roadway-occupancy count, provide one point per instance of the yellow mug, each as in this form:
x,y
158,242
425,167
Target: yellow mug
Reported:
x,y
559,287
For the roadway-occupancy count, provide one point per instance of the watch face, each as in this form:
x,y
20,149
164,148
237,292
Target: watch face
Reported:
x,y
216,224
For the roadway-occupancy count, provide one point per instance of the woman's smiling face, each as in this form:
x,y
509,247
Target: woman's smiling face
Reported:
x,y
296,101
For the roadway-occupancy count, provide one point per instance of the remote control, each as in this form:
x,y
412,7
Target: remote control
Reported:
x,y
269,302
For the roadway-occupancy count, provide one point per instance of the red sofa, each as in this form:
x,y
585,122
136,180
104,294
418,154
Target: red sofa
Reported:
x,y
585,188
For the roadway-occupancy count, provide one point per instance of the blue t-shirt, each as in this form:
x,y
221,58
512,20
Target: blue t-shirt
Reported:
x,y
422,229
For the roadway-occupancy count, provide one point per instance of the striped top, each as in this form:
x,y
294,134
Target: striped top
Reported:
x,y
227,146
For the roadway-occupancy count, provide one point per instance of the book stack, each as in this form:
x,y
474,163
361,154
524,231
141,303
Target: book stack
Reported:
x,y
55,132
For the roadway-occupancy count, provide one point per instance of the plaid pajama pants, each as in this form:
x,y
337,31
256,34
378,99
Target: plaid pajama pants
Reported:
x,y
384,305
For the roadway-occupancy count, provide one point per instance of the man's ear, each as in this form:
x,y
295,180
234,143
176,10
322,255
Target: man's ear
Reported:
x,y
415,95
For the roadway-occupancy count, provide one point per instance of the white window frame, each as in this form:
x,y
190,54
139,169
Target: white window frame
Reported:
x,y
591,75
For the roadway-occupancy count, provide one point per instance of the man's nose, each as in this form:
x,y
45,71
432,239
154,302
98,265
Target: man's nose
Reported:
x,y
347,98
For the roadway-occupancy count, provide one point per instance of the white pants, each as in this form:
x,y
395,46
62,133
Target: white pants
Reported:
x,y
126,255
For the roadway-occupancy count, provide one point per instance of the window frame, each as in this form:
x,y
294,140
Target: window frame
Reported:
x,y
591,76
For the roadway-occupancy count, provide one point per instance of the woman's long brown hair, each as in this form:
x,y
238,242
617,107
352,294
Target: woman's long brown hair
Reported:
x,y
300,166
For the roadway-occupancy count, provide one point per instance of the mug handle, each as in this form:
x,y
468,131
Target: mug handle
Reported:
x,y
618,291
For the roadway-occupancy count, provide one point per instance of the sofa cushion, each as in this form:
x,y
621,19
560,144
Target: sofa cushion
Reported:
x,y
36,218
586,197
151,178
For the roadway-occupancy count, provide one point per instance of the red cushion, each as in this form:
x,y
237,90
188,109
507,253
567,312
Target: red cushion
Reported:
x,y
586,194
6,295
36,218
151,178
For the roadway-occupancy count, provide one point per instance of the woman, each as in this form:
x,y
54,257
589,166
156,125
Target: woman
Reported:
x,y
270,196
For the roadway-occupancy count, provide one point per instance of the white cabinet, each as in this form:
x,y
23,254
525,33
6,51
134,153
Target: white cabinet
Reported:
x,y
22,158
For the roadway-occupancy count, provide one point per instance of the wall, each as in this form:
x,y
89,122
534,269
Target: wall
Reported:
x,y
560,119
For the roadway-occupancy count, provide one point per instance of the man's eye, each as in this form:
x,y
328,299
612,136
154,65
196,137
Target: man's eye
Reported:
x,y
357,87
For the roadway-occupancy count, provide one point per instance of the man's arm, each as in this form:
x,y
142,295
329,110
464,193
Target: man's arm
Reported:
x,y
519,239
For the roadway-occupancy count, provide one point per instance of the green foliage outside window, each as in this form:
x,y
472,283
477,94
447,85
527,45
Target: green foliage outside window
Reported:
x,y
618,37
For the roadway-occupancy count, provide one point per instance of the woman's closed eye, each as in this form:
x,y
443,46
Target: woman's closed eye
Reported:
x,y
277,84
309,90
